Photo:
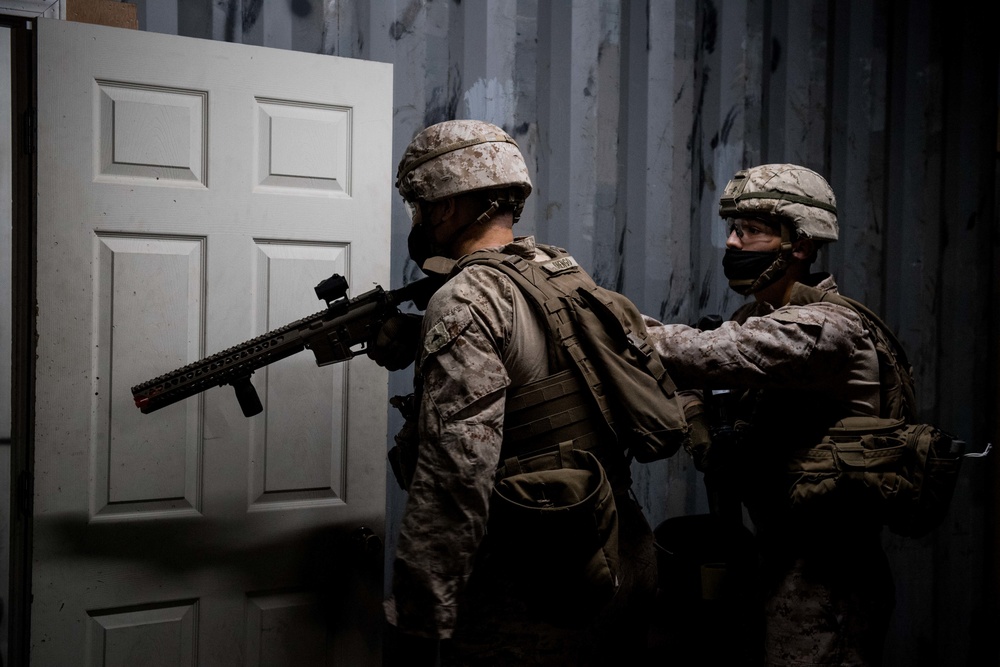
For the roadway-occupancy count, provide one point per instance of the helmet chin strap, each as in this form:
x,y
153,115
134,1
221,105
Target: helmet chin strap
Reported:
x,y
777,269
483,218
425,239
488,213
495,203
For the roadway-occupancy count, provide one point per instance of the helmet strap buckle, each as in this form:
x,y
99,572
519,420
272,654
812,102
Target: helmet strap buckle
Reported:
x,y
485,216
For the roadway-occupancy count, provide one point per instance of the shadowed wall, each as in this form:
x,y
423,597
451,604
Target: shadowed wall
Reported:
x,y
633,115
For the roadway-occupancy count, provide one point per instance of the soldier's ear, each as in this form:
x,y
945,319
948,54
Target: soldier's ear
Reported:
x,y
803,249
447,209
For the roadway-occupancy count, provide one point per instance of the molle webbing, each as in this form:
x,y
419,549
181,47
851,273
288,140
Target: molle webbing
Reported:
x,y
631,400
546,412
553,303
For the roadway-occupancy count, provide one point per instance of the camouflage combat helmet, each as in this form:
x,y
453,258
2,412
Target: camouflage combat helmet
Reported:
x,y
783,193
459,156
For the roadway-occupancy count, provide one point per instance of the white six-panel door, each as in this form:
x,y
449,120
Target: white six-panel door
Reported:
x,y
190,195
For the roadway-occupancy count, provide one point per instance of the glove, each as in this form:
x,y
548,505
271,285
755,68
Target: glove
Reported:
x,y
395,345
699,441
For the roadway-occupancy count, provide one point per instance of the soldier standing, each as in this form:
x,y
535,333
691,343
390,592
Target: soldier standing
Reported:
x,y
803,366
483,343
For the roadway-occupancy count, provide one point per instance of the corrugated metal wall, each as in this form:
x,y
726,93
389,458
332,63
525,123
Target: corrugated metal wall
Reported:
x,y
633,115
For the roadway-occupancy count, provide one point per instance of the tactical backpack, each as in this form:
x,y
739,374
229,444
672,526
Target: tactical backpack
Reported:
x,y
904,471
553,515
603,335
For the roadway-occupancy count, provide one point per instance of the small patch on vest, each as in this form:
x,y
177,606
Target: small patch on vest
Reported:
x,y
560,265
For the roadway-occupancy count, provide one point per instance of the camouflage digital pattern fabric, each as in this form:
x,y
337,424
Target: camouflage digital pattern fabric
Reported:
x,y
805,366
784,193
820,347
459,156
829,608
499,629
466,327
479,338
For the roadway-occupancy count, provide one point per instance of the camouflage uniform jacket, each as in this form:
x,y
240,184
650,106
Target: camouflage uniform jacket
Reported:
x,y
479,337
827,583
806,367
820,349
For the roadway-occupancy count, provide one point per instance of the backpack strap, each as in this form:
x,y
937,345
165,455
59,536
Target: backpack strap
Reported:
x,y
806,294
630,338
531,275
550,301
601,336
892,356
554,303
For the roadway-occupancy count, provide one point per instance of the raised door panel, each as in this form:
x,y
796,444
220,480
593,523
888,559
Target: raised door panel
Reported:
x,y
183,210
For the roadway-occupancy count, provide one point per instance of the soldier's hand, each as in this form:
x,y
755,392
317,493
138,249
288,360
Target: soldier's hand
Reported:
x,y
700,440
395,345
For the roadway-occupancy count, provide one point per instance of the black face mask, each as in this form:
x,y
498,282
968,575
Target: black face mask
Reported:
x,y
421,244
745,269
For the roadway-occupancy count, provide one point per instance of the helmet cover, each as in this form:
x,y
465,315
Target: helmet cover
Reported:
x,y
459,156
786,193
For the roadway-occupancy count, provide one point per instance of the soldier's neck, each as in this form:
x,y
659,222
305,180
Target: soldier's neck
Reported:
x,y
779,293
495,233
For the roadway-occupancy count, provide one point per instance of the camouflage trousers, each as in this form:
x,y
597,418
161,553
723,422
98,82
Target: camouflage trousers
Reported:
x,y
495,628
827,603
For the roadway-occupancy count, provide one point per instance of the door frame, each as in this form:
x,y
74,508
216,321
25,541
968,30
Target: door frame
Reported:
x,y
23,248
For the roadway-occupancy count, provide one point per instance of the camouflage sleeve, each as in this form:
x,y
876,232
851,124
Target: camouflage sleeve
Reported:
x,y
461,422
795,347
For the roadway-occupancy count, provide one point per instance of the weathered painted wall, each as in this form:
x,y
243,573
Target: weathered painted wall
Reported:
x,y
633,115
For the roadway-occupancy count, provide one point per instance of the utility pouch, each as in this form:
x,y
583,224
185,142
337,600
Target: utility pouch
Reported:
x,y
904,472
554,523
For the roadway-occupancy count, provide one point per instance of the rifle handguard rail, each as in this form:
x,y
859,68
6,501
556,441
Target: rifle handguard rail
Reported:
x,y
330,333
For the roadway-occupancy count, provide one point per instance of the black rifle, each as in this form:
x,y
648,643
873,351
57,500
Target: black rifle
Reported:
x,y
332,335
720,410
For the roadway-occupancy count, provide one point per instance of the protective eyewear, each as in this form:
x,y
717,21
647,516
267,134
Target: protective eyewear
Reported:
x,y
751,229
